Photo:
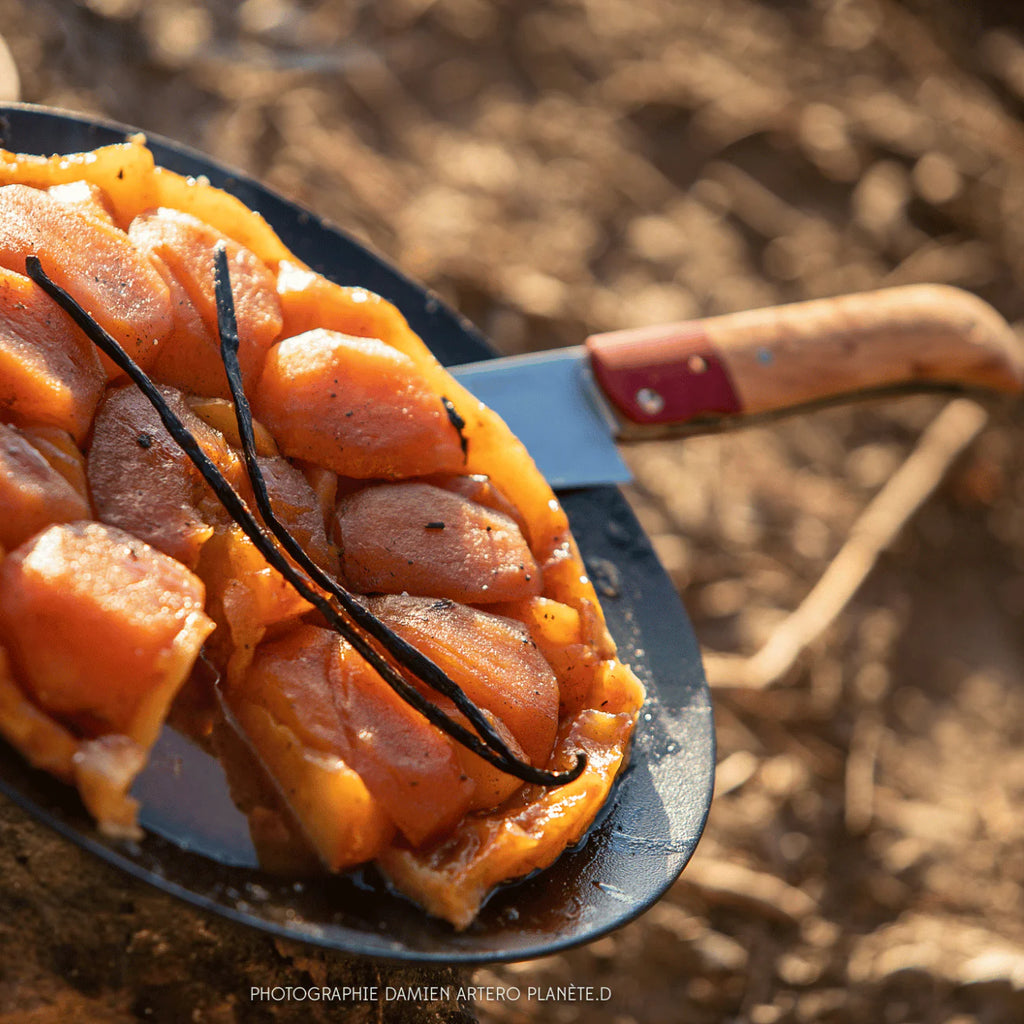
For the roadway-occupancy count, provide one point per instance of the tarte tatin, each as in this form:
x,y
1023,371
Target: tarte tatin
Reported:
x,y
122,572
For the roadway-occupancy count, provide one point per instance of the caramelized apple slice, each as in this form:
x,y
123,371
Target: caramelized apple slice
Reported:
x,y
331,803
124,172
49,371
493,659
314,684
559,632
102,629
219,413
416,538
85,198
141,480
95,261
309,300
185,246
60,451
491,785
479,488
452,877
245,597
186,358
32,493
296,505
355,405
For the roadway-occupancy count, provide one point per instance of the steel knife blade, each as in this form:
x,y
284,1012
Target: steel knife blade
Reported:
x,y
550,403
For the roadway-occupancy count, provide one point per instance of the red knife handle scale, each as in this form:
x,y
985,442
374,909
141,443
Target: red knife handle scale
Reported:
x,y
663,375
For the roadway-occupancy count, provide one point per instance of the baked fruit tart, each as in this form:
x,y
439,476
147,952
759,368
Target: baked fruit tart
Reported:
x,y
246,501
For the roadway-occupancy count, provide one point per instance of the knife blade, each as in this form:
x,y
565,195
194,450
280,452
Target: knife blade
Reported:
x,y
570,406
548,395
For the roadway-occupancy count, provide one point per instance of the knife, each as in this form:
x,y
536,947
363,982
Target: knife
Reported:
x,y
571,406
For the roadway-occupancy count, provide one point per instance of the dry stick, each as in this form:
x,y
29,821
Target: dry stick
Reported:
x,y
754,892
859,780
876,528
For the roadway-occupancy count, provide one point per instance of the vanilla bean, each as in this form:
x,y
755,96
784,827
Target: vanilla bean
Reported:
x,y
265,543
401,650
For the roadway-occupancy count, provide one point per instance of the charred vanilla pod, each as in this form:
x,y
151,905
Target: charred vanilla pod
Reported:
x,y
487,745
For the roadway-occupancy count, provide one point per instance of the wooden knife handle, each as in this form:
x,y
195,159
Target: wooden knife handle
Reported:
x,y
700,373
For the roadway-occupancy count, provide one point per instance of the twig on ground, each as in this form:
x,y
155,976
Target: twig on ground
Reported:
x,y
876,528
859,783
723,883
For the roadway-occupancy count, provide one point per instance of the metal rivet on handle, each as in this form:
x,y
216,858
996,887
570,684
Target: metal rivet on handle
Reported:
x,y
650,401
697,364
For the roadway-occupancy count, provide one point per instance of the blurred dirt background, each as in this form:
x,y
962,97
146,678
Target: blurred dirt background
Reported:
x,y
559,168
